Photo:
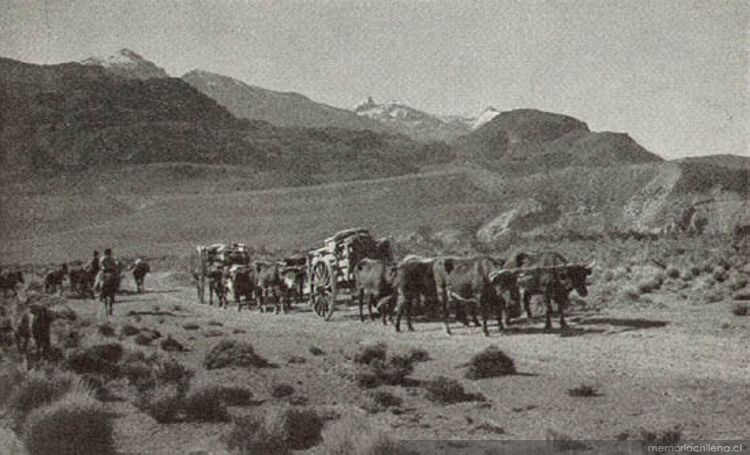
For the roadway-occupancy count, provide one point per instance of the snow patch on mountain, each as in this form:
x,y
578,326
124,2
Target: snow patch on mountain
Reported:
x,y
128,64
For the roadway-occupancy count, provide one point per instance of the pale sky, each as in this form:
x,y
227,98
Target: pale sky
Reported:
x,y
671,73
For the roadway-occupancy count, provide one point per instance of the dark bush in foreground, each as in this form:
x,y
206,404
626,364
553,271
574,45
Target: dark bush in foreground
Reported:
x,y
169,344
490,363
106,330
562,442
740,309
215,323
205,406
314,350
385,399
419,355
173,372
143,340
163,404
40,388
76,424
367,354
447,391
583,391
213,333
233,353
281,390
100,359
191,326
394,371
129,330
249,435
230,395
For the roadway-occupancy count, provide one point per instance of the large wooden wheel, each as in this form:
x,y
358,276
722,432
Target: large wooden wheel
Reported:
x,y
201,288
323,290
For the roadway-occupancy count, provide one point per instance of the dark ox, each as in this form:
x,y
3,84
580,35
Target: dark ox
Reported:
x,y
240,283
140,270
414,281
374,280
32,322
269,283
9,281
53,280
81,281
467,281
552,277
217,286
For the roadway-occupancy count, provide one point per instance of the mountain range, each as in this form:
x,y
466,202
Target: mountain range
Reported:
x,y
521,172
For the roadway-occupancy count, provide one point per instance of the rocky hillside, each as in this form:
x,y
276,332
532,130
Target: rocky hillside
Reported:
x,y
128,64
73,116
279,108
528,141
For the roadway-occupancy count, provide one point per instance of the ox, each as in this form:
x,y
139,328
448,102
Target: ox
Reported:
x,y
81,281
53,280
240,283
217,286
294,283
140,270
9,281
467,280
415,280
32,322
552,277
374,280
269,283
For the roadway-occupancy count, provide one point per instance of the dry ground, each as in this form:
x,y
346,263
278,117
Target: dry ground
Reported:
x,y
672,364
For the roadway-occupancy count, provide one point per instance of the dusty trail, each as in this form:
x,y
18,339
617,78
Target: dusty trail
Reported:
x,y
655,369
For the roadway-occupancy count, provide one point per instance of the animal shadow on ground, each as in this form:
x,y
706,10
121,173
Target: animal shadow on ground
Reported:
x,y
566,332
160,291
627,324
155,313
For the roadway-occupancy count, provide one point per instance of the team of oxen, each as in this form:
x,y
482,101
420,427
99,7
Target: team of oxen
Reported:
x,y
263,282
33,320
478,285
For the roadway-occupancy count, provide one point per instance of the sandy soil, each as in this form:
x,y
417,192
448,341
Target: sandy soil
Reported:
x,y
671,365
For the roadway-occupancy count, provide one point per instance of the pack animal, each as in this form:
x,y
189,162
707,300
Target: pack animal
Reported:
x,y
374,280
53,280
9,281
240,284
414,281
140,270
553,277
270,284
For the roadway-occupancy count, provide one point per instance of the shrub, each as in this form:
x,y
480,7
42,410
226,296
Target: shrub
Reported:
x,y
169,344
40,388
652,284
163,404
129,330
371,352
562,442
314,350
296,359
191,326
490,363
418,355
143,340
720,274
75,424
583,391
249,435
233,353
347,438
737,282
281,390
237,331
173,372
669,436
213,333
100,358
139,374
299,429
379,372
446,391
205,405
215,323
177,308
385,399
714,296
740,309
106,330
695,270
230,395
673,273
631,293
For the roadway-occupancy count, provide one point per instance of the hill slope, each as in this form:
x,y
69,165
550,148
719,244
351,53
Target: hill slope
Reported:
x,y
76,116
278,108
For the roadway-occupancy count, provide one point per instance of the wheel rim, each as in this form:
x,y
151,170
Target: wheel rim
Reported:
x,y
323,292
